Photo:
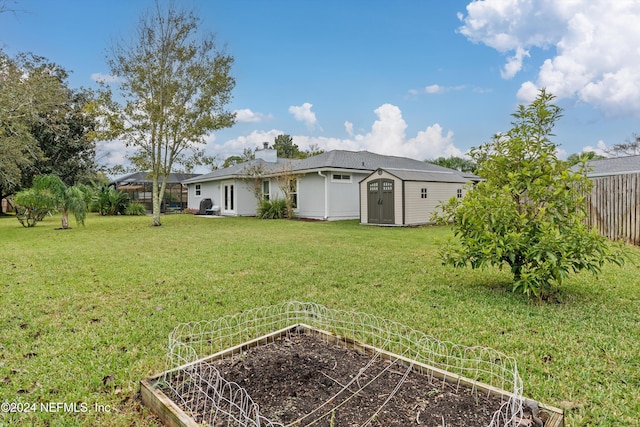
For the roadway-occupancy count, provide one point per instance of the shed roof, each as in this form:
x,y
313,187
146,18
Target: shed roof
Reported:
x,y
426,176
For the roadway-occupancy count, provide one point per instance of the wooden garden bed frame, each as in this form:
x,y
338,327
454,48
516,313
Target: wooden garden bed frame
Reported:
x,y
171,415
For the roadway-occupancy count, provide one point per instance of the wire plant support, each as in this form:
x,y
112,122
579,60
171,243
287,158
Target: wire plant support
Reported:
x,y
200,391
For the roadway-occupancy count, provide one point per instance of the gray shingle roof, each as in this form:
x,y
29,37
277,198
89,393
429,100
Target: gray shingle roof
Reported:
x,y
364,161
613,166
237,170
174,178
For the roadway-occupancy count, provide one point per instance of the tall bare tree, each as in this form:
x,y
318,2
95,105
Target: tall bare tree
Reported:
x,y
287,180
631,147
174,85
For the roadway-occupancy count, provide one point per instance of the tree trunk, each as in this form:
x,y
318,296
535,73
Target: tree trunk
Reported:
x,y
65,219
156,202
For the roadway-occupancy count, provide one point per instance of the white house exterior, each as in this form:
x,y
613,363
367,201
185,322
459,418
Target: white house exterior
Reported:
x,y
327,185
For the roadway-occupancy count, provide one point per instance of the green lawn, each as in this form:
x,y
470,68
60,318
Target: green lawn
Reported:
x,y
85,313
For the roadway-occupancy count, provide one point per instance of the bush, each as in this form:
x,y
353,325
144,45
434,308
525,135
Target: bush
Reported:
x,y
528,212
272,209
135,208
107,200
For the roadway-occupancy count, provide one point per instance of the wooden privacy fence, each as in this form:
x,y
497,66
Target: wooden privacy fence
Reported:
x,y
614,207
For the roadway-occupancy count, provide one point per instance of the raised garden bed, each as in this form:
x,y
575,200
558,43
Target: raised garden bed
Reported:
x,y
302,364
301,375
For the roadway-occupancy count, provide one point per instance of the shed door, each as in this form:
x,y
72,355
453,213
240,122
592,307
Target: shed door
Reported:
x,y
380,206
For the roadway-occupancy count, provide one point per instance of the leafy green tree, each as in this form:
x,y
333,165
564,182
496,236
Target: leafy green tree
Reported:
x,y
232,160
174,86
66,137
45,127
577,158
29,87
529,211
457,163
285,147
49,192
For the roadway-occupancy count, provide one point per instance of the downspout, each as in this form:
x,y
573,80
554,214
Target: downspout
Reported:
x,y
326,195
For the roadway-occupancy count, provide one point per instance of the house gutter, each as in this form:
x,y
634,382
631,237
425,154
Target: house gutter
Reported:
x,y
326,195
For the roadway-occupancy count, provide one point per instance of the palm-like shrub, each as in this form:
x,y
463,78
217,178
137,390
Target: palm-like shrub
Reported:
x,y
30,208
272,209
135,208
50,193
107,200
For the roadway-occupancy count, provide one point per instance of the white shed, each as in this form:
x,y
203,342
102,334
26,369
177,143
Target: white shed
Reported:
x,y
407,197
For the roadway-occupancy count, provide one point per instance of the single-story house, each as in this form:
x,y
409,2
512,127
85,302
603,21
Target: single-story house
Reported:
x,y
407,197
325,186
139,187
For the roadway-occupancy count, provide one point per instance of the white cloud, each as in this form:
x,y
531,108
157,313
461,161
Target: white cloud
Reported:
x,y
348,126
600,148
435,89
245,115
104,78
252,141
514,64
388,136
506,25
304,114
594,55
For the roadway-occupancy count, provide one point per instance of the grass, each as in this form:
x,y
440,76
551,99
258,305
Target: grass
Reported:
x,y
85,313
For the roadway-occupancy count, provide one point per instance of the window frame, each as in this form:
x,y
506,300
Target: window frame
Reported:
x,y
342,178
198,189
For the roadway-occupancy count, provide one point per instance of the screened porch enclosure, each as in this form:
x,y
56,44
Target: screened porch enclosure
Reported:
x,y
139,188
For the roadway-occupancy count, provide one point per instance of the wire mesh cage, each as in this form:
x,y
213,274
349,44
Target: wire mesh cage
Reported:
x,y
201,391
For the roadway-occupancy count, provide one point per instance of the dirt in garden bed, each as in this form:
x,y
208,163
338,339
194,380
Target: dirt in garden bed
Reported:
x,y
303,380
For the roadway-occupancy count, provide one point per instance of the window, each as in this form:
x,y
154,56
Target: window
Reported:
x,y
265,190
198,189
337,177
459,193
228,198
423,193
293,193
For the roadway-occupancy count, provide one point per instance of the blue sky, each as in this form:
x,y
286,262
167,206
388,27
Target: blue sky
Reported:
x,y
412,78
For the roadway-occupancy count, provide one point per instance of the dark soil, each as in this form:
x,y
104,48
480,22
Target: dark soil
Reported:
x,y
303,378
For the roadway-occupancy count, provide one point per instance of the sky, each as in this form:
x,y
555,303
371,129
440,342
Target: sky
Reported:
x,y
413,78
